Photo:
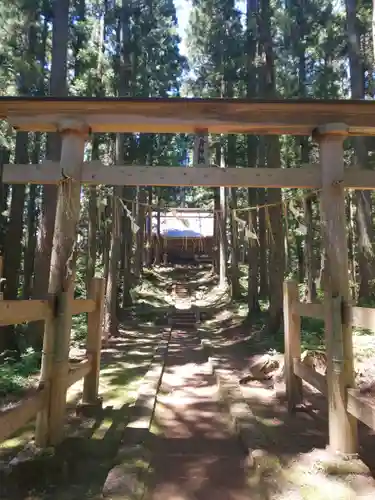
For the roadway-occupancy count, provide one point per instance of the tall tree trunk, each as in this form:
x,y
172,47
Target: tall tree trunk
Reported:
x,y
58,87
29,254
235,271
158,241
300,259
263,243
275,212
149,228
4,192
13,241
216,238
110,317
252,256
32,216
222,216
309,250
92,222
352,263
139,253
128,252
123,38
363,198
277,256
107,237
252,150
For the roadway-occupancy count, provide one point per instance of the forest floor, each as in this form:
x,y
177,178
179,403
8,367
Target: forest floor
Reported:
x,y
79,467
293,464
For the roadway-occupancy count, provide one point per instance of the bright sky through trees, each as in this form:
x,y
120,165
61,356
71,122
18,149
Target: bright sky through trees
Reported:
x,y
183,12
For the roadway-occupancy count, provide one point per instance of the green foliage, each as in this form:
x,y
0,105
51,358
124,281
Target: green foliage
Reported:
x,y
312,334
14,375
79,330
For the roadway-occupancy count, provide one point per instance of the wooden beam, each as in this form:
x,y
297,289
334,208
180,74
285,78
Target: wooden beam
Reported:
x,y
308,310
292,343
363,180
310,375
14,418
94,173
94,342
79,371
13,312
185,115
362,407
343,436
48,172
83,306
363,317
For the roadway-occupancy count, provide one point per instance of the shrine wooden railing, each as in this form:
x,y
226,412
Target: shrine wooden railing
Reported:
x,y
359,405
58,372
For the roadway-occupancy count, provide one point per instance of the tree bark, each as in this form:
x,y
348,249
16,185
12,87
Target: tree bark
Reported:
x,y
363,198
149,229
13,242
29,253
92,222
223,272
139,253
263,246
309,251
4,191
32,217
277,255
110,317
275,212
252,256
58,87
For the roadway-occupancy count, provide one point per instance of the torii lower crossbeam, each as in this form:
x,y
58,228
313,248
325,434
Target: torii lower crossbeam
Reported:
x,y
95,173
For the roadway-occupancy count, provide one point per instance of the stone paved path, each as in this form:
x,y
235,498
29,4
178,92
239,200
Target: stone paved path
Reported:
x,y
194,456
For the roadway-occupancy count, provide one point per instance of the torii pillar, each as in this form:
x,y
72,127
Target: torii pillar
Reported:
x,y
56,343
338,329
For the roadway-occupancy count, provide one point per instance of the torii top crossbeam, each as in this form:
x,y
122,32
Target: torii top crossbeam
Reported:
x,y
180,115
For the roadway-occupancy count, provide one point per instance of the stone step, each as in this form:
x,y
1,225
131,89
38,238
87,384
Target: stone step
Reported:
x,y
183,316
187,318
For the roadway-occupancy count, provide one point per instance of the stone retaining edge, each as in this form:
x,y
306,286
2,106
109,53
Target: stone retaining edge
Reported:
x,y
242,422
127,479
239,411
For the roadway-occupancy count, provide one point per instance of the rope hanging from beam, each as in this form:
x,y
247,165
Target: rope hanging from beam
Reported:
x,y
201,149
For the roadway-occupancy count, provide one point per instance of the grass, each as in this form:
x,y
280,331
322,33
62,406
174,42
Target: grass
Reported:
x,y
149,308
79,467
15,376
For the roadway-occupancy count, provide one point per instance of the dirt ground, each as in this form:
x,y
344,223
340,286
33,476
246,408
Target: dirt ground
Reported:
x,y
293,445
77,469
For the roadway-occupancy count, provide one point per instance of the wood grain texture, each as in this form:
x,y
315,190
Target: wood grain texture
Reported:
x,y
310,375
94,173
178,115
343,436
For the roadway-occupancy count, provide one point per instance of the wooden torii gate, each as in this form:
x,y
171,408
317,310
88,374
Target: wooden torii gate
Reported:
x,y
330,122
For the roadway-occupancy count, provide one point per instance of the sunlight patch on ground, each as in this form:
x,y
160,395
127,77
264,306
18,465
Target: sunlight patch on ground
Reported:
x,y
307,477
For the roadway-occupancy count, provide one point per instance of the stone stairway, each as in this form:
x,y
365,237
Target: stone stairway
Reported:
x,y
183,319
183,315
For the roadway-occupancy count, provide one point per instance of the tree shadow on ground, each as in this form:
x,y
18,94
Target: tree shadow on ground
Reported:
x,y
286,435
189,430
78,467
